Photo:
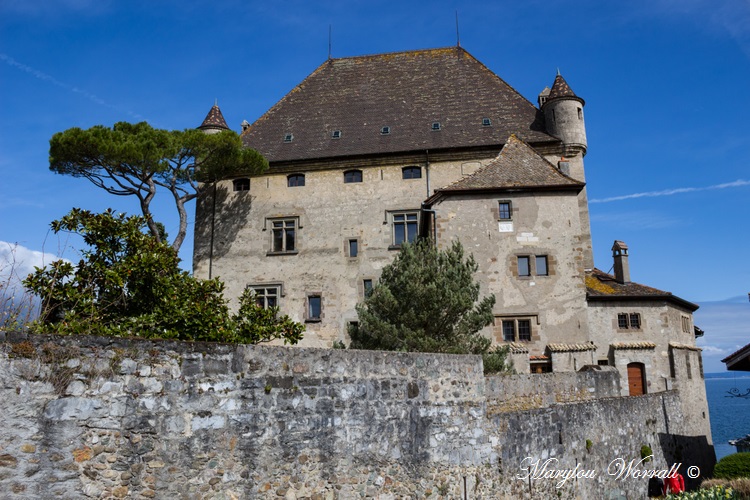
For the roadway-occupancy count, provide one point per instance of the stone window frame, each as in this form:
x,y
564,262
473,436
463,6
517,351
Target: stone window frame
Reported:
x,y
629,321
293,180
241,184
353,176
363,286
272,222
532,265
348,247
309,301
278,287
391,219
515,321
501,214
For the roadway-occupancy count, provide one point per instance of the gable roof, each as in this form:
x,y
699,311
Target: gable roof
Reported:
x,y
603,286
406,91
214,120
518,166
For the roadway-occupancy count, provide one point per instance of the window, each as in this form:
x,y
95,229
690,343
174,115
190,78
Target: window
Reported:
x,y
516,330
241,184
288,137
336,134
524,269
353,247
295,180
352,176
266,296
367,286
284,235
435,126
404,227
385,130
411,173
629,321
486,122
314,308
505,210
541,265
685,324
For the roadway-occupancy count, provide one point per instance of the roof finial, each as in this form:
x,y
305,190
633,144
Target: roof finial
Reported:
x,y
216,102
558,71
458,37
329,42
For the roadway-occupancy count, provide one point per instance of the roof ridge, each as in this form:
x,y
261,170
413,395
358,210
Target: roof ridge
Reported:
x,y
399,52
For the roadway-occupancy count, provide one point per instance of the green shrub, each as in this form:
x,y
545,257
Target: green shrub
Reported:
x,y
646,453
733,466
713,493
496,361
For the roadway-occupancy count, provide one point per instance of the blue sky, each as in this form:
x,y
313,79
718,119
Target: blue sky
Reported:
x,y
665,84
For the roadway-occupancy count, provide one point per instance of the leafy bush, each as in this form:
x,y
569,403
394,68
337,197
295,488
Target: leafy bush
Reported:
x,y
733,466
129,284
496,361
712,493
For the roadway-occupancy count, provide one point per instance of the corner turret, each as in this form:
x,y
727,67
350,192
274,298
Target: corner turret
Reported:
x,y
563,116
214,122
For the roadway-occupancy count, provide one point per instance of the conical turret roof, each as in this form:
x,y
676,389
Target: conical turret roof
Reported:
x,y
560,89
214,120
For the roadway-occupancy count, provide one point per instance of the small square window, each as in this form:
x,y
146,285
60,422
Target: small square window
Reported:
x,y
524,269
385,130
411,173
541,265
436,126
486,122
351,176
336,134
288,137
295,180
314,307
353,245
242,184
505,210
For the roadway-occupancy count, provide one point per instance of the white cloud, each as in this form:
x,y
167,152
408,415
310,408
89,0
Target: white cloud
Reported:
x,y
671,192
17,262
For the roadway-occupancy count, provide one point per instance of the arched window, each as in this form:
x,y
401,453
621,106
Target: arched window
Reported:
x,y
295,180
411,173
242,184
352,176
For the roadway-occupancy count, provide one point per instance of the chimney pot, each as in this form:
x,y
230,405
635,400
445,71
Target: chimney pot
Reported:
x,y
622,268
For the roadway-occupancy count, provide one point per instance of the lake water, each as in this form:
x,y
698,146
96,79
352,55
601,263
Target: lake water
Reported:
x,y
730,416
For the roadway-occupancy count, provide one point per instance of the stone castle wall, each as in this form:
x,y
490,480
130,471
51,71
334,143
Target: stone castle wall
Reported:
x,y
89,417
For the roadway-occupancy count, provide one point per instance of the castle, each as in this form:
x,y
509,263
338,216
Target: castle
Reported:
x,y
370,152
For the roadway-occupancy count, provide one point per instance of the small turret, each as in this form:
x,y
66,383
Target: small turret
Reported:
x,y
563,116
214,122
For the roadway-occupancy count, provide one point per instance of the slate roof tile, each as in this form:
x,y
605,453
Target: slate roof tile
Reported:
x,y
214,120
406,91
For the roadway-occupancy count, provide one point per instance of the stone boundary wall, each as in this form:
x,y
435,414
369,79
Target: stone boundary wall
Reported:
x,y
89,417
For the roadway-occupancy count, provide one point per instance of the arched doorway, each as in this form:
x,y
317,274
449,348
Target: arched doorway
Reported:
x,y
636,379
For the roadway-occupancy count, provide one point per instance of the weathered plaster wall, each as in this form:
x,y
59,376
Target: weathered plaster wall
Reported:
x,y
88,417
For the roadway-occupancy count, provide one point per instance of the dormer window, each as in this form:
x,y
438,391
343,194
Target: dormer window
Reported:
x,y
435,126
336,134
385,130
288,137
486,122
242,184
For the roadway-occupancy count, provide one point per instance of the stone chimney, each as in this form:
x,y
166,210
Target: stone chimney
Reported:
x,y
622,268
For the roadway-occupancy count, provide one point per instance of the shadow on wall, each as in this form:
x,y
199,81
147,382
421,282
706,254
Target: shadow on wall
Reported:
x,y
690,451
220,213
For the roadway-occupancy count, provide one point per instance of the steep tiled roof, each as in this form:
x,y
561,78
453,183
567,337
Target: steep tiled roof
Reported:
x,y
406,91
214,120
560,89
603,286
517,166
571,347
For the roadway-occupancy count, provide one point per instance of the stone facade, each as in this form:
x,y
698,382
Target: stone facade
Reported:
x,y
370,150
88,417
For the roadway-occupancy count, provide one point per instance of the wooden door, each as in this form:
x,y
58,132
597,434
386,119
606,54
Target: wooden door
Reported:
x,y
636,379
